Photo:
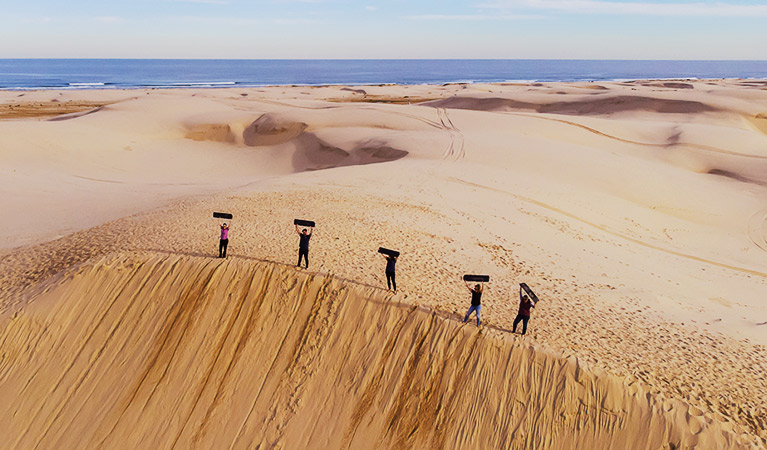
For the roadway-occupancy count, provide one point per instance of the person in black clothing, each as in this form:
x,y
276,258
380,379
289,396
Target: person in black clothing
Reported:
x,y
303,246
525,303
391,261
476,296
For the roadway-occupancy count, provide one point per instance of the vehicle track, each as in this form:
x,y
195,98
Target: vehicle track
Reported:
x,y
757,229
456,149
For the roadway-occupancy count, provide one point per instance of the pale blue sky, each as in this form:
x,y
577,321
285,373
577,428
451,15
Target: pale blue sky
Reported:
x,y
592,29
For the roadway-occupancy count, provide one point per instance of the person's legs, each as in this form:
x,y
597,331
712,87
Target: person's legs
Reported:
x,y
524,323
226,244
472,308
303,254
468,313
221,248
393,279
516,321
479,308
388,280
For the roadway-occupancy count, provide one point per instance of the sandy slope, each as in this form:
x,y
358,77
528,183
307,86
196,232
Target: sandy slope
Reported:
x,y
636,210
165,351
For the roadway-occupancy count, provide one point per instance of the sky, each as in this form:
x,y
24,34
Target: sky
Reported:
x,y
266,29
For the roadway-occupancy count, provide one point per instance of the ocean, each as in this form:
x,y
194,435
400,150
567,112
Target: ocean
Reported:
x,y
21,74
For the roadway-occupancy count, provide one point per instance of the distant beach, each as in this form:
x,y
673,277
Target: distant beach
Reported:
x,y
33,74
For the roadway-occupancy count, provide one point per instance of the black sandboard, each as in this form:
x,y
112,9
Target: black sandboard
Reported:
x,y
480,278
303,223
529,292
386,251
219,215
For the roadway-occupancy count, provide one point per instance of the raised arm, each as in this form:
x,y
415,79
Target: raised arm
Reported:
x,y
298,231
523,295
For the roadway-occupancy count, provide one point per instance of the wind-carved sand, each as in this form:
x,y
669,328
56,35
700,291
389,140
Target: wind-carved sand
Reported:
x,y
637,211
249,354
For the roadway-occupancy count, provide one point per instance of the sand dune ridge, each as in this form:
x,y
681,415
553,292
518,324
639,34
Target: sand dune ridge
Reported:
x,y
165,351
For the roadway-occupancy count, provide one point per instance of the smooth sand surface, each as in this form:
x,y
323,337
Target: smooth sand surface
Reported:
x,y
637,211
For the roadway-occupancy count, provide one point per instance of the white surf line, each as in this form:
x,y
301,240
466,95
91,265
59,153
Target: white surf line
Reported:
x,y
614,233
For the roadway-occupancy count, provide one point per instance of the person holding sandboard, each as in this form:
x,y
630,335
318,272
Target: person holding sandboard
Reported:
x,y
525,303
391,262
223,241
476,295
303,244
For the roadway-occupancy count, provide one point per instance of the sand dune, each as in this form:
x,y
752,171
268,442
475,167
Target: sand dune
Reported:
x,y
270,130
592,106
54,109
636,210
164,351
760,122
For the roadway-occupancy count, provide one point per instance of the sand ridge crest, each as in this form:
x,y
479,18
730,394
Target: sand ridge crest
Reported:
x,y
591,106
247,353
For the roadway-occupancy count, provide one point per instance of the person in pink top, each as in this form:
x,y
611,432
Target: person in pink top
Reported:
x,y
224,242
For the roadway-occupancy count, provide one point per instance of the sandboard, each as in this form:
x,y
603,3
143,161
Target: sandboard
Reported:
x,y
303,223
529,292
219,215
480,278
386,251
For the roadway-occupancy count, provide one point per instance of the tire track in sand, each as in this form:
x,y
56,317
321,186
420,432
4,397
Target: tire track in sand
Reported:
x,y
757,229
455,150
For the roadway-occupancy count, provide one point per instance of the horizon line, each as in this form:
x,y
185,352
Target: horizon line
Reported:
x,y
372,59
